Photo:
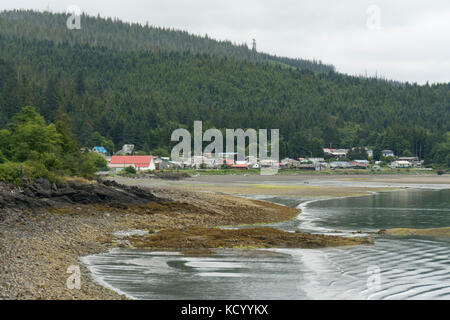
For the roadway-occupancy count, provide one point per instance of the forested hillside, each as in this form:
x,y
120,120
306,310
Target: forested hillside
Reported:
x,y
140,96
118,35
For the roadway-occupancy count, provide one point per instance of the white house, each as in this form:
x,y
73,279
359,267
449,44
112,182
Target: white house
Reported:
x,y
339,164
126,149
400,164
387,153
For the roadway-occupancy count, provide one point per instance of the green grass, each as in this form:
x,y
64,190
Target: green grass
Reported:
x,y
206,172
383,171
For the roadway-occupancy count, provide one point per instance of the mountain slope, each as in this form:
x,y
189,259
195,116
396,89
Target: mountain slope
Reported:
x,y
119,96
118,35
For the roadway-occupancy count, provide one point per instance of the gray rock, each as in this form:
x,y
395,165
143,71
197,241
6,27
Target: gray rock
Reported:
x,y
42,194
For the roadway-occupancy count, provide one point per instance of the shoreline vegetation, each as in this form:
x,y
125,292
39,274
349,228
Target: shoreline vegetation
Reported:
x,y
201,240
39,245
427,232
179,174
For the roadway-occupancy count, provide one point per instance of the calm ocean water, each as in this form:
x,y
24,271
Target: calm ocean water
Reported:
x,y
392,268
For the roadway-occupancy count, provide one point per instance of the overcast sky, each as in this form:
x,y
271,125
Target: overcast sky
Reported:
x,y
406,40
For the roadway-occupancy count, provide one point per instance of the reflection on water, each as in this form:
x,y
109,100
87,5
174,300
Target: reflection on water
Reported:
x,y
414,269
405,268
402,209
229,275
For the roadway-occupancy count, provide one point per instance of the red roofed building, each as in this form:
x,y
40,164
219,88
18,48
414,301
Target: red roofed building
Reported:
x,y
240,166
227,162
140,163
328,150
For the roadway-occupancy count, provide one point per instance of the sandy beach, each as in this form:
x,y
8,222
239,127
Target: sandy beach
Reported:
x,y
304,186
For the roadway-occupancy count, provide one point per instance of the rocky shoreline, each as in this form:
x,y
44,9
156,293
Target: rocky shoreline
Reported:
x,y
45,228
44,194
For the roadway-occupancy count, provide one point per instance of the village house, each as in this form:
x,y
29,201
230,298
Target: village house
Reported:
x,y
140,163
207,161
322,165
415,161
227,162
269,163
367,150
240,165
336,153
289,163
183,163
410,159
318,163
103,152
251,159
100,150
360,164
252,162
307,166
340,153
127,149
162,163
227,155
316,160
176,164
387,153
400,164
339,165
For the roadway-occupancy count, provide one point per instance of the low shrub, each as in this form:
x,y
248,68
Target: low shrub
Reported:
x,y
16,172
11,172
130,170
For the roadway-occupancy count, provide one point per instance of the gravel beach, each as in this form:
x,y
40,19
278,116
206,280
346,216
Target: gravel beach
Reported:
x,y
45,232
37,247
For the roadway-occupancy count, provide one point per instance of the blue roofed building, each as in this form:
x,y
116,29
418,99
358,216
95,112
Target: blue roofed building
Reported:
x,y
100,150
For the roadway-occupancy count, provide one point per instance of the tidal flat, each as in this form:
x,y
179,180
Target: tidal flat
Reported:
x,y
39,245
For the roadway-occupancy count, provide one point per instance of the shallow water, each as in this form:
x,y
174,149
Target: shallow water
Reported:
x,y
392,268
